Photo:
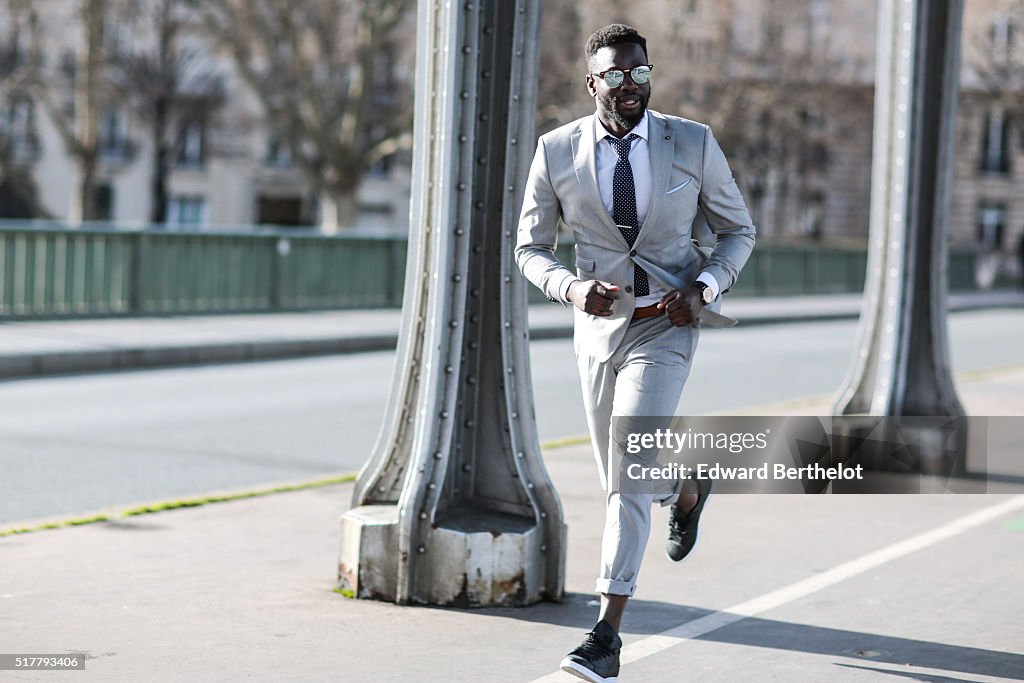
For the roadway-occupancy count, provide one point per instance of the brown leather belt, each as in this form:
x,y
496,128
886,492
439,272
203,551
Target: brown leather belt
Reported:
x,y
647,312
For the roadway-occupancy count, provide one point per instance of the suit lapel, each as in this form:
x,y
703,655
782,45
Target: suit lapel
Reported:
x,y
661,146
585,163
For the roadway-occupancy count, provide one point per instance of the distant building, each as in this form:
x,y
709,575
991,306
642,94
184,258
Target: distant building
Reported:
x,y
788,87
227,168
988,191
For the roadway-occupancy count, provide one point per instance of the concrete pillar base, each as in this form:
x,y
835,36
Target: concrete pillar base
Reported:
x,y
472,558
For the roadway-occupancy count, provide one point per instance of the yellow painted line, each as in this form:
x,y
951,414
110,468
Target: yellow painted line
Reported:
x,y
178,503
565,441
989,373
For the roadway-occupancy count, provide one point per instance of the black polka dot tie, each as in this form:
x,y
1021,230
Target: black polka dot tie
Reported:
x,y
624,205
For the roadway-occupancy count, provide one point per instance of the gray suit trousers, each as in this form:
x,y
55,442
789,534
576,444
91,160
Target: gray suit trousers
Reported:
x,y
644,377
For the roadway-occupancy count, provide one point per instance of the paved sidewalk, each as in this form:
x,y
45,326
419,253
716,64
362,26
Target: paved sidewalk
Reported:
x,y
52,347
786,589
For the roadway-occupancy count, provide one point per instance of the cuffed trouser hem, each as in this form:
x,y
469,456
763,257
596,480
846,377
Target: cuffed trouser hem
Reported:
x,y
613,587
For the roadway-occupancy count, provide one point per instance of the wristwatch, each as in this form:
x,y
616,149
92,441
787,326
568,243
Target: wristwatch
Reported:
x,y
706,295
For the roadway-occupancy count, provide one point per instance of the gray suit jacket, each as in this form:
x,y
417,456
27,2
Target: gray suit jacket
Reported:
x,y
689,173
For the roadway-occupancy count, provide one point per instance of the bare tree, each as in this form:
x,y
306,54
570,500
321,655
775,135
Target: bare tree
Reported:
x,y
778,106
18,138
170,82
77,121
997,60
327,73
561,94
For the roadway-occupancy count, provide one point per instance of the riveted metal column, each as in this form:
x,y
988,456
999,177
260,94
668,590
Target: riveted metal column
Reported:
x,y
901,360
455,506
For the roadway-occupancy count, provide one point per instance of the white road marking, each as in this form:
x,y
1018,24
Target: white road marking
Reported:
x,y
812,584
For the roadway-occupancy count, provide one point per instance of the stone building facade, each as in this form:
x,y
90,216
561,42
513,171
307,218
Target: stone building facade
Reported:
x,y
227,170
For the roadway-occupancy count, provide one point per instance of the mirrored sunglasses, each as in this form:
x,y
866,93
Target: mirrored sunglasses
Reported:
x,y
614,77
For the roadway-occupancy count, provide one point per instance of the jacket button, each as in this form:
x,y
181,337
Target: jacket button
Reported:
x,y
629,290
633,253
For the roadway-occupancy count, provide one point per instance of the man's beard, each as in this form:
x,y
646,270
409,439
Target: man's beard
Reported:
x,y
627,122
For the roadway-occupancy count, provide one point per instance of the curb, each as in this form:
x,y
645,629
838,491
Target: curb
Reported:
x,y
147,358
144,358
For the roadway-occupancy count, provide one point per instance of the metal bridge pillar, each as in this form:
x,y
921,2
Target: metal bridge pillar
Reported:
x,y
455,506
901,364
901,360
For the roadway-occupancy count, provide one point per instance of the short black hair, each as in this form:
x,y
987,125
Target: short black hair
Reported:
x,y
613,34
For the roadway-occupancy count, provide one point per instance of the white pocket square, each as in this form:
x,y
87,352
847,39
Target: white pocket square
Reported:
x,y
679,187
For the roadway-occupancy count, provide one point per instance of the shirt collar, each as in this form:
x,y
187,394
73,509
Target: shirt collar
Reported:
x,y
640,129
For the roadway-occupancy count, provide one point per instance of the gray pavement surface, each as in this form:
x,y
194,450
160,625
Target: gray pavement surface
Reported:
x,y
61,346
243,590
72,444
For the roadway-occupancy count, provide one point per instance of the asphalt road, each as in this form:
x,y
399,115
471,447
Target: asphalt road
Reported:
x,y
70,445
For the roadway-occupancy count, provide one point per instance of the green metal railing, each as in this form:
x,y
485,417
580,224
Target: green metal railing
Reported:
x,y
52,272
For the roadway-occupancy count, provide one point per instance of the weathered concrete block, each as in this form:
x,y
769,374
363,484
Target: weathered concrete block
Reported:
x,y
367,561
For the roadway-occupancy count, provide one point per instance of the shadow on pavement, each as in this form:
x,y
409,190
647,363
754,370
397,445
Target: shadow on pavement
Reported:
x,y
781,635
647,617
579,610
914,676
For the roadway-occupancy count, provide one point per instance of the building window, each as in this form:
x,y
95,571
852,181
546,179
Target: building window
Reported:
x,y
15,201
686,90
1001,37
813,215
279,154
771,31
381,168
991,224
17,131
104,195
818,28
117,35
995,156
114,145
279,211
191,145
186,210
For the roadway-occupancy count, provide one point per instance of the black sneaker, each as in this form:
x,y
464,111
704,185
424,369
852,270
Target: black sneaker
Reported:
x,y
597,658
682,526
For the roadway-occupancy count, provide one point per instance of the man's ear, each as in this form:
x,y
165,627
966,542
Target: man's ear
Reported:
x,y
590,86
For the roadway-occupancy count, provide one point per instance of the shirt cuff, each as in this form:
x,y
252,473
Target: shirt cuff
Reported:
x,y
565,288
711,282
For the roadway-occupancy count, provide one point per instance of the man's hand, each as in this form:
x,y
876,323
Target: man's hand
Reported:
x,y
593,296
682,305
